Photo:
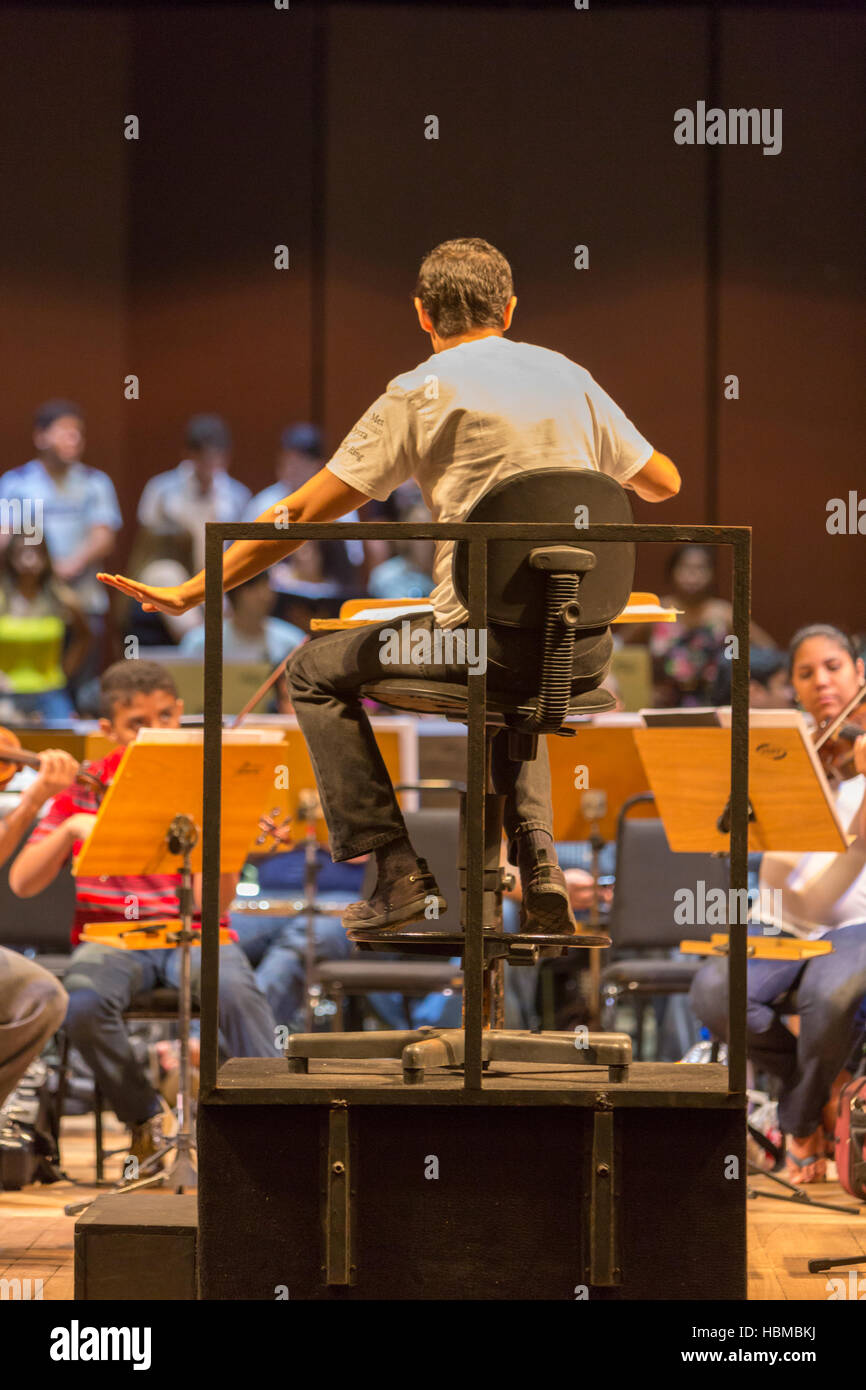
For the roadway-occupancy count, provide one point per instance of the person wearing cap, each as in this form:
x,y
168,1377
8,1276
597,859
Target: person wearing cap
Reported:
x,y
324,571
176,504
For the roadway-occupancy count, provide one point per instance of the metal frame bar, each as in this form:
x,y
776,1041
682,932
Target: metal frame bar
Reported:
x,y
478,534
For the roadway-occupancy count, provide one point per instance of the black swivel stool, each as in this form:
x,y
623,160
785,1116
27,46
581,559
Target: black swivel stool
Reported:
x,y
557,592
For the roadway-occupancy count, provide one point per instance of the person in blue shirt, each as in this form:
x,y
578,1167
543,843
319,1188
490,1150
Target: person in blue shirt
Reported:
x,y
249,633
175,505
73,506
409,571
78,504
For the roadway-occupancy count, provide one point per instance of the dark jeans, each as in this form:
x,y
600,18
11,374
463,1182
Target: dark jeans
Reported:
x,y
276,948
357,797
102,980
44,704
829,992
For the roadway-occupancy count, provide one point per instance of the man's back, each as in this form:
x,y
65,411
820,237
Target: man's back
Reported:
x,y
474,414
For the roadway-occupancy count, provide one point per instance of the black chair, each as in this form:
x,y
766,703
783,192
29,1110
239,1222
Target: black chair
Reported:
x,y
39,927
648,874
556,592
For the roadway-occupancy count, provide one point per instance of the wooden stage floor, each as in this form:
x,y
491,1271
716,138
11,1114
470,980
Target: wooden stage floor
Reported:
x,y
36,1238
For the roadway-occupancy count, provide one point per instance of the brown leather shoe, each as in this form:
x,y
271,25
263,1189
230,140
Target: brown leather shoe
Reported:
x,y
546,905
396,903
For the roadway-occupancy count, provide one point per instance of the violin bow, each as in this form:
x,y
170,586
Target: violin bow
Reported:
x,y
839,720
262,690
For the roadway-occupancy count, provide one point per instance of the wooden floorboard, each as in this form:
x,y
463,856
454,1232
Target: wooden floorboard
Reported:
x,y
36,1237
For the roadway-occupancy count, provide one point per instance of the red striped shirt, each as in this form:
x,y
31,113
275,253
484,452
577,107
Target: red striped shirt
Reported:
x,y
108,898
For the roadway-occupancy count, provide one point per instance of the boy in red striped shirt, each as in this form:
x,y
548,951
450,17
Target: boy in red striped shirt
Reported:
x,y
102,980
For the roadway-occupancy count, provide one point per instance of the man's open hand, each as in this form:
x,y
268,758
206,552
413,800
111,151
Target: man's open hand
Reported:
x,y
176,600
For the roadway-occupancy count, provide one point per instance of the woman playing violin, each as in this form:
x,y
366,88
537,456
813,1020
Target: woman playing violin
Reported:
x,y
820,895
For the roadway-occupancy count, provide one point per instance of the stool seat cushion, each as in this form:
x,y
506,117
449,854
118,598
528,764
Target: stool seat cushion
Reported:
x,y
156,1003
452,701
359,976
671,976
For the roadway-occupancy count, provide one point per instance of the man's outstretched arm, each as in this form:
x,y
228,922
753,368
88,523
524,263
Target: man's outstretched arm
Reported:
x,y
323,498
657,480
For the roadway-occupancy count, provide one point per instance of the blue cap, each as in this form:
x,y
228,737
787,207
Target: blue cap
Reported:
x,y
304,439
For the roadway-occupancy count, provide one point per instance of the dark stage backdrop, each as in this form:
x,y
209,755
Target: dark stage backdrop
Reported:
x,y
306,127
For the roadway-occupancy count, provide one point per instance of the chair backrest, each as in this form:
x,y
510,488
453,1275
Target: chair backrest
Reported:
x,y
649,875
435,835
42,923
516,591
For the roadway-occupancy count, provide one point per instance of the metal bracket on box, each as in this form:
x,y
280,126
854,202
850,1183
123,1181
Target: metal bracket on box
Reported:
x,y
603,1266
338,1267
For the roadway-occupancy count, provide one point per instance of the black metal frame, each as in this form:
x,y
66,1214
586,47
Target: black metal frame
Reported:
x,y
478,534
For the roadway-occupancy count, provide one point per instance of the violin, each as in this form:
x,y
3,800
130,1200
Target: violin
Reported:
x,y
835,738
13,756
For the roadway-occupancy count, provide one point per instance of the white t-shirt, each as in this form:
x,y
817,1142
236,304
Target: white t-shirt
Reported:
x,y
819,891
473,415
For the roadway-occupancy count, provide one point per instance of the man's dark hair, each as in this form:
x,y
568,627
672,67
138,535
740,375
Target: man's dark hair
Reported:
x,y
764,664
833,634
50,411
464,284
208,432
124,680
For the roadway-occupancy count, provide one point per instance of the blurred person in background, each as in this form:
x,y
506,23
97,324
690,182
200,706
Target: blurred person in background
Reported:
x,y
44,635
175,506
250,634
769,683
688,655
80,515
158,629
316,579
409,571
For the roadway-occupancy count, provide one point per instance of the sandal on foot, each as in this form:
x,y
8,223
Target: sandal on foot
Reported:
x,y
795,1167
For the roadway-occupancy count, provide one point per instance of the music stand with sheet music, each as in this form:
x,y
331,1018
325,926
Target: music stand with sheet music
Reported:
x,y
791,806
149,822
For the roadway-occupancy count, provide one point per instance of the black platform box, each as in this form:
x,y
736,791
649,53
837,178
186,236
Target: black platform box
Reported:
x,y
137,1245
504,1212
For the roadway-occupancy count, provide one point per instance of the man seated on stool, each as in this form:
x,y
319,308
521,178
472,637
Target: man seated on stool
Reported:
x,y
480,409
102,980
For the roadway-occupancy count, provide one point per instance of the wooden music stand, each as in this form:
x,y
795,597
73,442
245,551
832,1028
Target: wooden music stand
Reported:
x,y
792,806
398,743
792,810
356,612
149,823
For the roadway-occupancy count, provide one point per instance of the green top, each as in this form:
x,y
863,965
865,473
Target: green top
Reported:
x,y
31,652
